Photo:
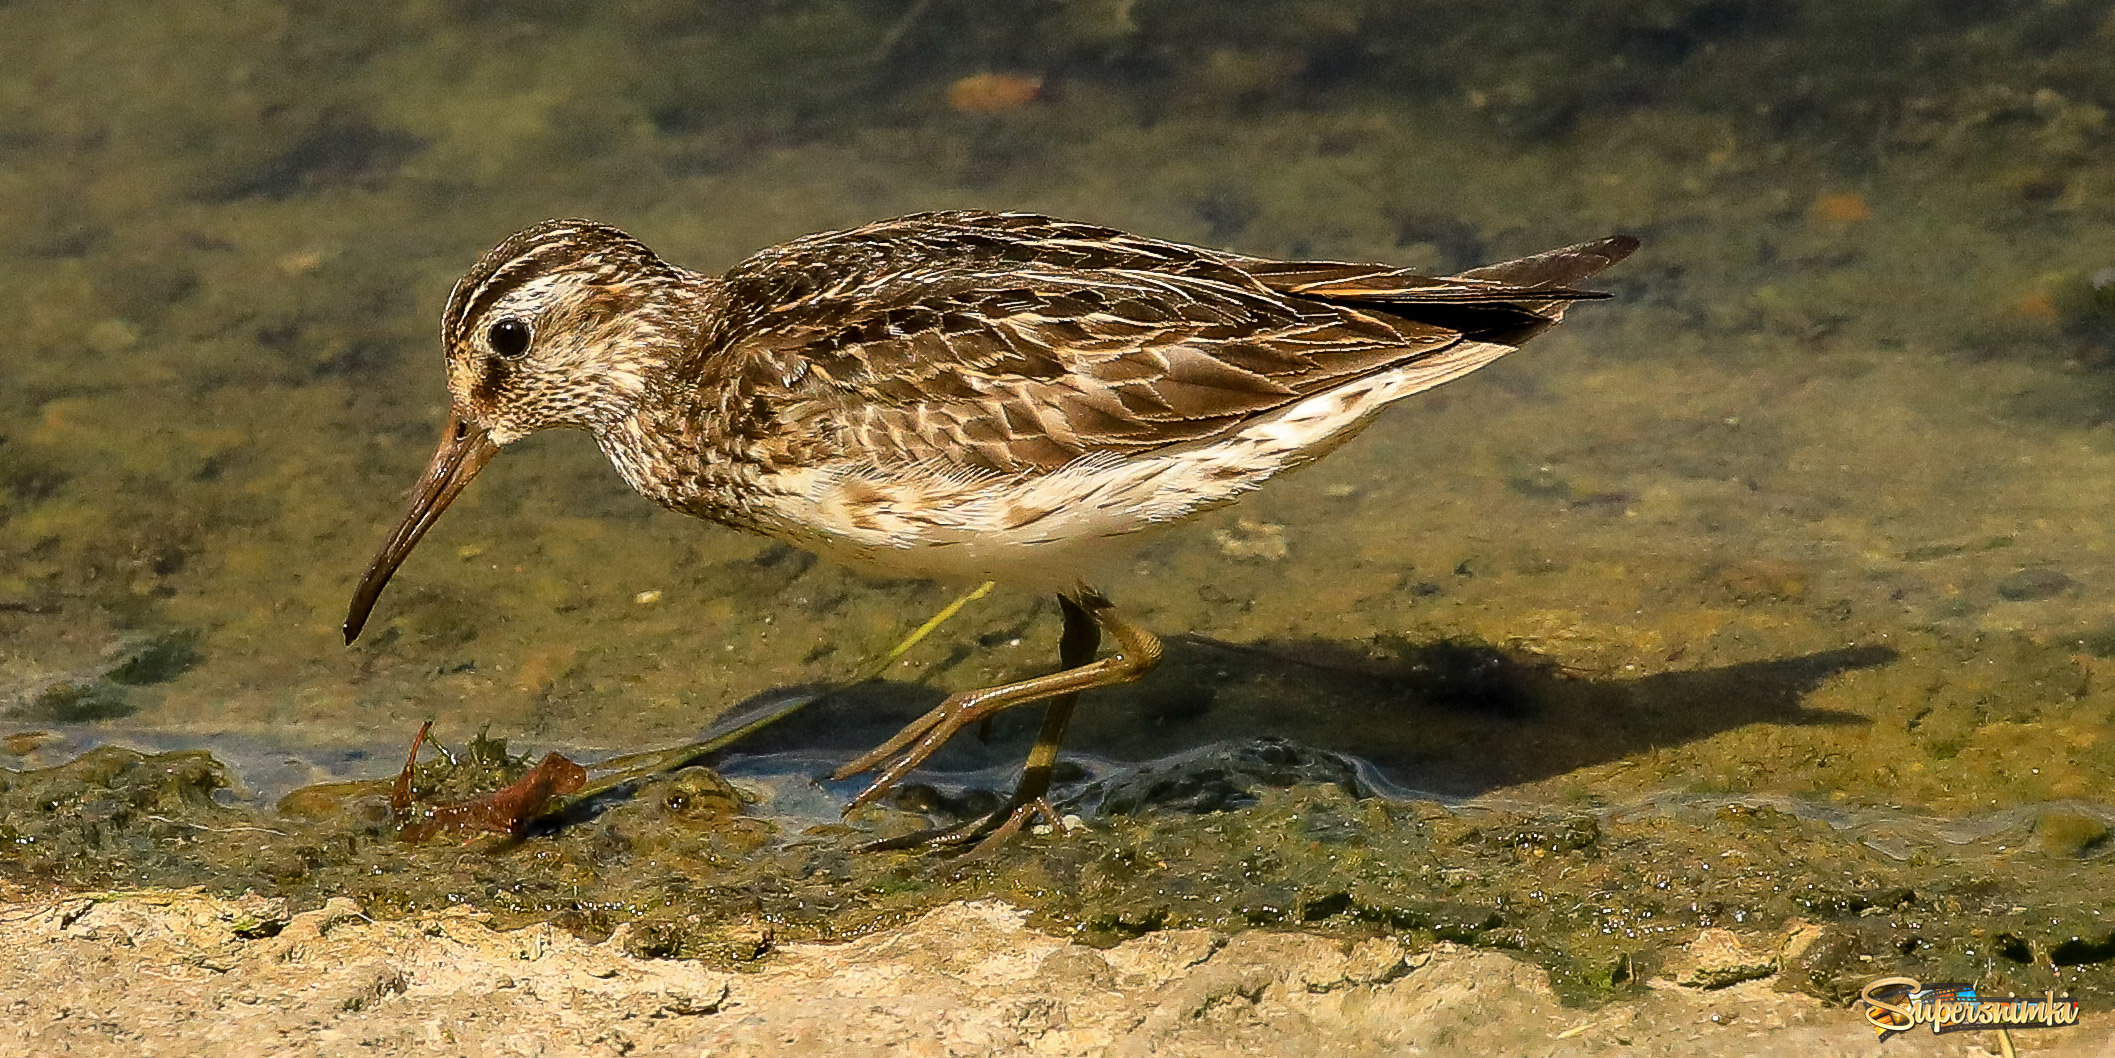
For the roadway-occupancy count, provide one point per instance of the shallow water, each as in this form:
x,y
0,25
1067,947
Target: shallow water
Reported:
x,y
1812,512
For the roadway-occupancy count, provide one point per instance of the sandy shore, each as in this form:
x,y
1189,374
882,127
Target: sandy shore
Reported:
x,y
155,973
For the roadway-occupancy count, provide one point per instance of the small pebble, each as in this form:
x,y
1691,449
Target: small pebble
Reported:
x,y
110,337
648,597
1543,483
1766,578
993,93
300,262
1264,541
1840,209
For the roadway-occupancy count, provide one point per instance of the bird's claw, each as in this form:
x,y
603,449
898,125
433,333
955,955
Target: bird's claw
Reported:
x,y
990,833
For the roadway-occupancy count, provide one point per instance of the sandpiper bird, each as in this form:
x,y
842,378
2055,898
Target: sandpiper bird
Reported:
x,y
974,395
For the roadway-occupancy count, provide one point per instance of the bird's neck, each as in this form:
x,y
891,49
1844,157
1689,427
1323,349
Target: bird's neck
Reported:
x,y
669,442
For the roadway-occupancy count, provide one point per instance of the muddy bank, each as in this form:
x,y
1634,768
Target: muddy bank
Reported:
x,y
178,973
1262,835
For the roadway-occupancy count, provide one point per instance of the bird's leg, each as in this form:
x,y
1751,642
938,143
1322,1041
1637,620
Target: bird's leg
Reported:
x,y
1082,637
1029,804
1137,651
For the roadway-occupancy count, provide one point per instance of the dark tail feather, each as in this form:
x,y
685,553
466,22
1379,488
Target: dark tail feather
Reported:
x,y
1526,296
1557,268
1538,284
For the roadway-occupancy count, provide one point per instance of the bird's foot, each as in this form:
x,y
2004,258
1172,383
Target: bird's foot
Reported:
x,y
912,746
990,833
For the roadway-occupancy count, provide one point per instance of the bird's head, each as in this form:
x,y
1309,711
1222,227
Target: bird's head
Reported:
x,y
558,326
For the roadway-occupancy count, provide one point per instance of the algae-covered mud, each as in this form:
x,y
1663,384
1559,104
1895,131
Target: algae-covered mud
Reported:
x,y
1268,834
1776,594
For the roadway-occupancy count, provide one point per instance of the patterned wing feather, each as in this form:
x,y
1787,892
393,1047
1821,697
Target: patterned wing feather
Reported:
x,y
1015,344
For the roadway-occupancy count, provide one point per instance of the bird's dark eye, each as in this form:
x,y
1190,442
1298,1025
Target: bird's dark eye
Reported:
x,y
509,337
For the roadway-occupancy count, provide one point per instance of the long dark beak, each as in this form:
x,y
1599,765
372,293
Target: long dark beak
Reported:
x,y
465,449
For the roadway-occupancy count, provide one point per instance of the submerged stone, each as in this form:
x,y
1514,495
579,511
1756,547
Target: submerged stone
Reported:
x,y
2028,585
1218,777
2070,833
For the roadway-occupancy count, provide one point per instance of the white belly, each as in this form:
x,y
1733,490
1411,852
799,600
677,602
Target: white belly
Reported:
x,y
1052,530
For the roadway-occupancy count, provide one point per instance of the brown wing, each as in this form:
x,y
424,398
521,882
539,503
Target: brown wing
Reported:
x,y
1016,344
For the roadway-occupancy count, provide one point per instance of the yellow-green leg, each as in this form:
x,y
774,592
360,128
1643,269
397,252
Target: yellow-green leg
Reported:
x,y
634,767
1087,615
